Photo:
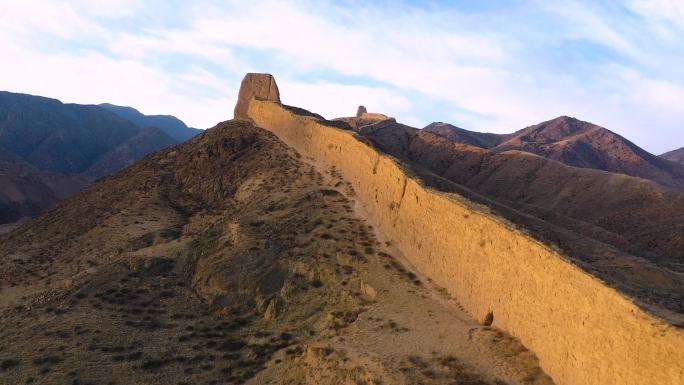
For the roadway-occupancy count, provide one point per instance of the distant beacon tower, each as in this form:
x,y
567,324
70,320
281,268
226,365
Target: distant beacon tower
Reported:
x,y
360,111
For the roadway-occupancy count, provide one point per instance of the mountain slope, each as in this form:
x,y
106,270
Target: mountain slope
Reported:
x,y
58,137
228,259
170,125
575,143
676,156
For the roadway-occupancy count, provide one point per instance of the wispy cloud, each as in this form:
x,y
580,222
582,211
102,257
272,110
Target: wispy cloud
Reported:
x,y
491,66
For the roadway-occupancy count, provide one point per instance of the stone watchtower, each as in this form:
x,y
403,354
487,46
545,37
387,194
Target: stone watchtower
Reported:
x,y
257,86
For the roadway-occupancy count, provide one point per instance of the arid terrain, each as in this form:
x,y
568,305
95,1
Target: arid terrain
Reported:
x,y
231,259
283,248
578,144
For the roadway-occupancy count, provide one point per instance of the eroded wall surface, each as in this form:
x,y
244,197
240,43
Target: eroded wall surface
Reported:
x,y
582,331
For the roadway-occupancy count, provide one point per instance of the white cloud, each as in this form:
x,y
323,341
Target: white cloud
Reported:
x,y
340,100
195,96
28,18
488,71
671,10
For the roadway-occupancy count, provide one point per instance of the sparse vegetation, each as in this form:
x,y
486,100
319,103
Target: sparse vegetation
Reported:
x,y
184,293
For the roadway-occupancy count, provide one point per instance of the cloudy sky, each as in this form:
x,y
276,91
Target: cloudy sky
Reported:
x,y
494,66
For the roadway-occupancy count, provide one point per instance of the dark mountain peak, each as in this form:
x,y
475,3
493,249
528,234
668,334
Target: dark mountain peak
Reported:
x,y
576,143
583,144
125,108
560,128
21,98
442,125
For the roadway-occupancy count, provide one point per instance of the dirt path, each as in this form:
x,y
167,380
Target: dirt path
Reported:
x,y
411,331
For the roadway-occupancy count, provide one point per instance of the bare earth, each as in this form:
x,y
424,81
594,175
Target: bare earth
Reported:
x,y
227,260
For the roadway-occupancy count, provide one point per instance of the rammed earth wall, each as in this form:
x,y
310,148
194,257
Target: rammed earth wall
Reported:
x,y
583,332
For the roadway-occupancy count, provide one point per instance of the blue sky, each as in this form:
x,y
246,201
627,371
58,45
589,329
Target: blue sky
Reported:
x,y
494,66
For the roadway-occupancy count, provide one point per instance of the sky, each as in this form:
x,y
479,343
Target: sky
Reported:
x,y
490,66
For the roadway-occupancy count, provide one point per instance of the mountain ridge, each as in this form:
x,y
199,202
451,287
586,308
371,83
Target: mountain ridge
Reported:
x,y
169,124
576,143
67,145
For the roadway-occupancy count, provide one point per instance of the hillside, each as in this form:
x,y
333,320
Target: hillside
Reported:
x,y
66,146
231,259
676,156
170,125
575,143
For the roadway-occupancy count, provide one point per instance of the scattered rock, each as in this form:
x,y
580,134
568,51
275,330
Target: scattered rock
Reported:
x,y
488,319
368,291
272,310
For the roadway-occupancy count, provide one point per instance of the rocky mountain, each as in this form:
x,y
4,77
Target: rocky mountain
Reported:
x,y
65,138
676,156
57,148
575,143
170,125
230,259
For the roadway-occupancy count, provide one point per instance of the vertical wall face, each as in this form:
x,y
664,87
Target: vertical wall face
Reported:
x,y
582,331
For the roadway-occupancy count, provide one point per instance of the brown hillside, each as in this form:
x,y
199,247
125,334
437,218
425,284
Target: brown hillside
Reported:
x,y
575,143
230,259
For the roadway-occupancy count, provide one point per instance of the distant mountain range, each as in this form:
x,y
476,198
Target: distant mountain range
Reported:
x,y
575,143
49,150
